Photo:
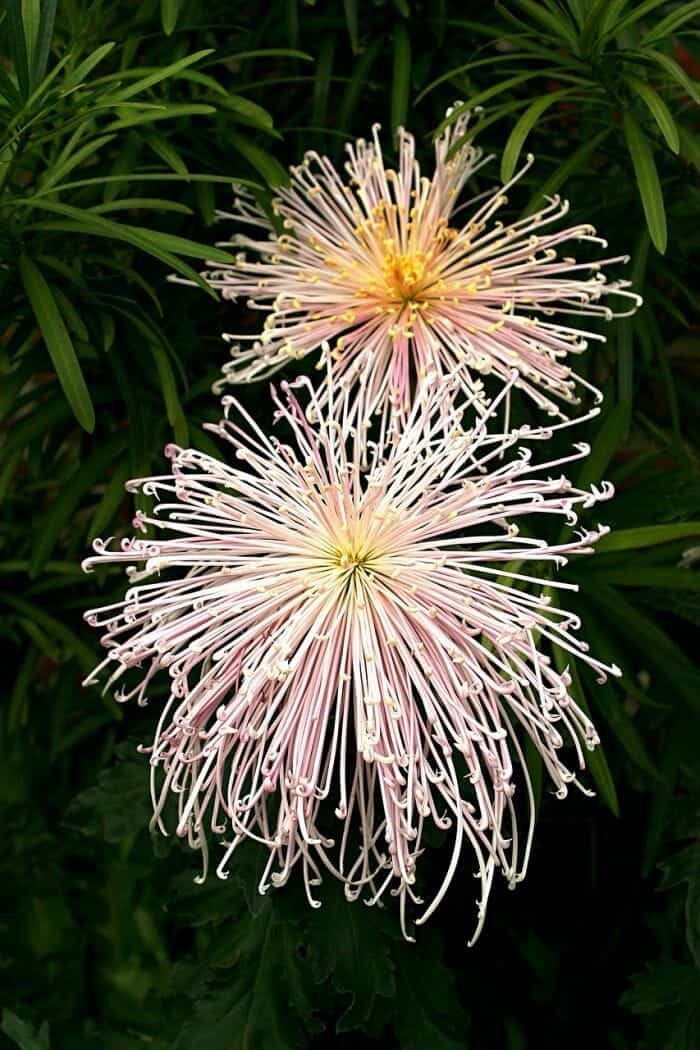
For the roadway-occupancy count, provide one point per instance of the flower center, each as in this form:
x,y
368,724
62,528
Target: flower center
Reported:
x,y
404,274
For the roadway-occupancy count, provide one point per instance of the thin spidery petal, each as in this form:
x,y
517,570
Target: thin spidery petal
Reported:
x,y
356,635
387,268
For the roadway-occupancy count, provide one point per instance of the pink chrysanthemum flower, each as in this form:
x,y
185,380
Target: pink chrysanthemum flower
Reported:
x,y
354,651
387,267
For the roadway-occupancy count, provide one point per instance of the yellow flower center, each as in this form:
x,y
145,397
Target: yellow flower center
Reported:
x,y
404,275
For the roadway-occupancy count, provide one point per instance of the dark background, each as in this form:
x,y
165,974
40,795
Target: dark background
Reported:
x,y
106,154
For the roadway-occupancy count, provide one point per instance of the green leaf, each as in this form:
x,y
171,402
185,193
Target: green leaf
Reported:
x,y
118,806
264,163
164,73
61,512
690,146
595,760
358,83
352,22
86,67
626,331
646,536
675,71
18,45
431,1014
554,21
672,578
263,997
140,203
22,1033
31,19
654,646
165,150
350,947
114,496
58,342
322,80
176,416
659,111
523,127
248,112
401,77
169,10
72,644
672,22
43,40
647,181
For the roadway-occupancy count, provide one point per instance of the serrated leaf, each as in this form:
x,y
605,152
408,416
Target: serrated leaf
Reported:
x,y
58,342
351,948
647,181
259,1000
431,1014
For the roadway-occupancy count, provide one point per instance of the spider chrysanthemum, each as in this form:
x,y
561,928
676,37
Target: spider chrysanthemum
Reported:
x,y
400,278
355,650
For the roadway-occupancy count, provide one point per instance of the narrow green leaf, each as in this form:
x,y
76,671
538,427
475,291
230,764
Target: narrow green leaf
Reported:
x,y
595,760
352,22
523,127
401,77
670,578
647,181
139,203
71,316
248,112
358,83
165,150
638,11
501,88
647,536
60,513
675,71
672,22
31,20
610,703
58,342
169,10
690,146
263,162
71,642
322,80
176,416
554,22
43,41
86,67
166,111
114,496
658,109
164,73
654,646
57,172
18,45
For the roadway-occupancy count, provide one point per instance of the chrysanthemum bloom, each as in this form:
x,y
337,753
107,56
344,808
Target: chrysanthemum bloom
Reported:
x,y
354,652
389,267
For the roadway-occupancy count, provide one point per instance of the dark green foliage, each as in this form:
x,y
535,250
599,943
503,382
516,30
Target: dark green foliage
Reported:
x,y
123,125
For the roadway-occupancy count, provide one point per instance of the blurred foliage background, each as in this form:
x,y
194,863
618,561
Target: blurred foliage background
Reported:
x,y
123,124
